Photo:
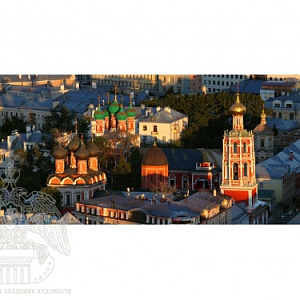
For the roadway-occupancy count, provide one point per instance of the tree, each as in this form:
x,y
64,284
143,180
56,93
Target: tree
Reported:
x,y
209,115
12,123
55,194
135,163
121,173
105,154
34,168
62,121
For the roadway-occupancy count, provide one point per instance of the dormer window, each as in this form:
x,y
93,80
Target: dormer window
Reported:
x,y
288,104
276,103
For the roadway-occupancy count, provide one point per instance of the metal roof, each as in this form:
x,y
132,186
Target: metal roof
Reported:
x,y
182,159
14,101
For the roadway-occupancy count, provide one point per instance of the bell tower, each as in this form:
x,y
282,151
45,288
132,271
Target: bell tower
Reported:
x,y
238,163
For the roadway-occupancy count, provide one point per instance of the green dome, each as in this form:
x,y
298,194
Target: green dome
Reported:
x,y
121,115
114,107
99,114
131,111
106,113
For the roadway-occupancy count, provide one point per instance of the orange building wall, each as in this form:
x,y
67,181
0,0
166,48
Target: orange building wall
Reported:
x,y
156,172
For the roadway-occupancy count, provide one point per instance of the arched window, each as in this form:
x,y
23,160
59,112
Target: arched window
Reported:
x,y
245,169
245,147
235,148
235,171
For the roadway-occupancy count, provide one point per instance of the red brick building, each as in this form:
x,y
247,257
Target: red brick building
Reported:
x,y
154,168
239,179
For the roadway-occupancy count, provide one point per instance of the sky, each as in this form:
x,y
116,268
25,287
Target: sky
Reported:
x,y
162,37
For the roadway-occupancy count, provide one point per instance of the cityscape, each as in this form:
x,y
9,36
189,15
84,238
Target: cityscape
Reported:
x,y
150,149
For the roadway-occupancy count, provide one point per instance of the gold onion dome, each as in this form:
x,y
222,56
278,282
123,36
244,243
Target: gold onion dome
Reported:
x,y
237,108
82,153
92,149
74,144
59,152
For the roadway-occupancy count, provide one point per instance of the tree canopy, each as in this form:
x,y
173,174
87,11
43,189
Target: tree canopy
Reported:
x,y
12,123
63,121
209,115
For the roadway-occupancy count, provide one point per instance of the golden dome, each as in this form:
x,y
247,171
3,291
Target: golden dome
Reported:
x,y
237,107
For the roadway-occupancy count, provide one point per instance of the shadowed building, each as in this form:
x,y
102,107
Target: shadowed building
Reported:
x,y
263,140
77,175
154,168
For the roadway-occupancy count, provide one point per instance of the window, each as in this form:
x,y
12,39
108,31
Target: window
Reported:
x,y
235,148
235,171
262,143
279,115
185,183
145,128
245,169
289,105
291,116
77,197
154,128
172,182
68,199
245,147
179,80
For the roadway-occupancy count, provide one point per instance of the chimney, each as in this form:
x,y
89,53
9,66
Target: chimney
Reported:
x,y
291,155
28,131
11,138
214,192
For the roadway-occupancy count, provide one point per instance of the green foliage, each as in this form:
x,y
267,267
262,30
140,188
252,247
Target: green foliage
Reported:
x,y
12,123
62,121
121,173
55,194
105,154
209,115
34,169
135,163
